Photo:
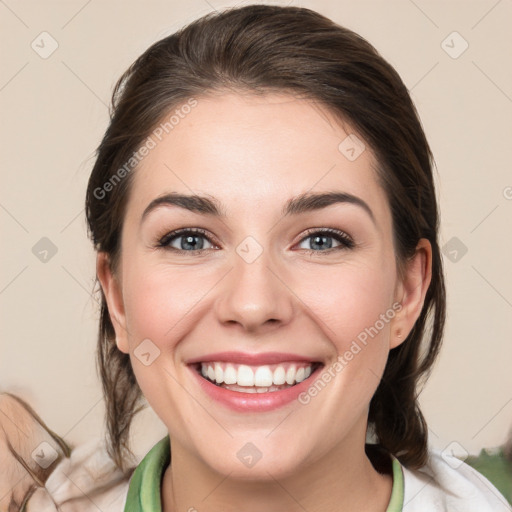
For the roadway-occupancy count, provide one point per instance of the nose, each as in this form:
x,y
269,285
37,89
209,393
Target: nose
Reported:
x,y
254,296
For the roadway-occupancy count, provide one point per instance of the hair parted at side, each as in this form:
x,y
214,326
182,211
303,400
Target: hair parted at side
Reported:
x,y
260,49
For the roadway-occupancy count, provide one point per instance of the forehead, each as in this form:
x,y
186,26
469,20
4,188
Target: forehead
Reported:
x,y
248,150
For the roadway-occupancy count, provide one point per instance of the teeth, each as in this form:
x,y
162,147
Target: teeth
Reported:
x,y
245,376
230,374
263,376
290,375
219,374
259,379
279,376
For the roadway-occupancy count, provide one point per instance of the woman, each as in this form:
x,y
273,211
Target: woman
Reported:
x,y
265,220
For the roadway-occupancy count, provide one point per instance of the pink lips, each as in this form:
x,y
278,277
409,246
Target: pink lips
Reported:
x,y
252,402
252,359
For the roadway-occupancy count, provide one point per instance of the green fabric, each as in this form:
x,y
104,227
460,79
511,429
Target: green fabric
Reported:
x,y
145,484
496,468
144,490
396,502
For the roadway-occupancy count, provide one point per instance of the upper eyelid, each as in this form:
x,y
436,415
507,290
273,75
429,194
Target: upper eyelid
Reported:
x,y
334,233
183,231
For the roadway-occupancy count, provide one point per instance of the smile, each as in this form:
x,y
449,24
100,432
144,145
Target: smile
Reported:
x,y
256,379
254,382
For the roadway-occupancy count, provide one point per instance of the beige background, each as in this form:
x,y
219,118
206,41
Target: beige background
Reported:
x,y
54,112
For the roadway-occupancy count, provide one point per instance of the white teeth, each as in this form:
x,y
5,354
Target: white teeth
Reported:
x,y
262,378
219,374
299,377
290,375
229,375
245,376
279,376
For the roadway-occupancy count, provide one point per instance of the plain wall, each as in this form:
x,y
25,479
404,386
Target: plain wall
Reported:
x,y
55,110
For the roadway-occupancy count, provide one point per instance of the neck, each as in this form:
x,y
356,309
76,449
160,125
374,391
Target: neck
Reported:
x,y
343,479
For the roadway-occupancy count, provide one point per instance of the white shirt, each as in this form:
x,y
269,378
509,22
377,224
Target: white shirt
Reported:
x,y
446,484
89,480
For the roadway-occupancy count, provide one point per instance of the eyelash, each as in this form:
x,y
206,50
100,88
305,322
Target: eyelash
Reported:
x,y
340,236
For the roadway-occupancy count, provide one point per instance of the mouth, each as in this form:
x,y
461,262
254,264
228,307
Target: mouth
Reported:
x,y
254,382
244,378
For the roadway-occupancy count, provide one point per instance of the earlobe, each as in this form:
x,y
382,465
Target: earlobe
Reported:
x,y
411,292
114,298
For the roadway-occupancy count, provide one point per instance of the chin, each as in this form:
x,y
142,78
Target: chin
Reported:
x,y
254,461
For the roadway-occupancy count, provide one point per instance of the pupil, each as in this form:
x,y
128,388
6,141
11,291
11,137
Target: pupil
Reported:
x,y
189,240
320,241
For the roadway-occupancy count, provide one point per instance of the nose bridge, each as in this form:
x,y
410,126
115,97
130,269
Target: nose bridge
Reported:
x,y
254,295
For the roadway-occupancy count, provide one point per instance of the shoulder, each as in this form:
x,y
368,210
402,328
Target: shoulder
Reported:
x,y
446,483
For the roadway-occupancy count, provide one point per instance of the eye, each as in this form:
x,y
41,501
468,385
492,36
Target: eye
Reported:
x,y
186,240
196,240
322,240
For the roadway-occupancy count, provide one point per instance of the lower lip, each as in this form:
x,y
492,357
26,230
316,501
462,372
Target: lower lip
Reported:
x,y
253,402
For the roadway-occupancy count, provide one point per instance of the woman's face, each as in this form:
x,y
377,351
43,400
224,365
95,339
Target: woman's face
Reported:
x,y
262,291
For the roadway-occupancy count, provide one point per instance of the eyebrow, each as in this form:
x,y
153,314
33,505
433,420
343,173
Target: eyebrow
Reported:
x,y
303,203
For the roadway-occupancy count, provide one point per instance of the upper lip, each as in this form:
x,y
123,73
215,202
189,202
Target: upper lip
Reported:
x,y
251,359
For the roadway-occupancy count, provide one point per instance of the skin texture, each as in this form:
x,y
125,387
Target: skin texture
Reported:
x,y
254,153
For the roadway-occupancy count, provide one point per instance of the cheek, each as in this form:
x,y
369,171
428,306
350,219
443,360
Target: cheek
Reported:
x,y
350,300
156,300
353,307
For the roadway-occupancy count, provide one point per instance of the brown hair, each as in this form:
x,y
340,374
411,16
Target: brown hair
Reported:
x,y
261,49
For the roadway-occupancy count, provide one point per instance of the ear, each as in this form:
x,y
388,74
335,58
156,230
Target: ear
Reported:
x,y
114,297
410,292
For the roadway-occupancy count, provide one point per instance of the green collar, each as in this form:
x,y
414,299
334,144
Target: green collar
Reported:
x,y
144,491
